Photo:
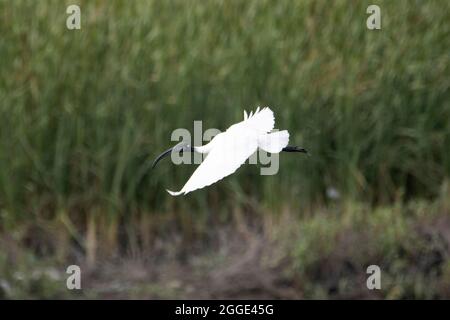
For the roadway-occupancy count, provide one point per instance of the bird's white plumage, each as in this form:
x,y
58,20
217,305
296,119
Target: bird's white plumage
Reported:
x,y
229,150
273,142
262,121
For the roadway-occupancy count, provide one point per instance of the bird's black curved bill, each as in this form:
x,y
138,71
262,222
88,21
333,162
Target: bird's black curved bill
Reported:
x,y
161,156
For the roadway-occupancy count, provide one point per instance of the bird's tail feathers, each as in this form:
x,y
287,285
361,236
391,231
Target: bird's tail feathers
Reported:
x,y
274,142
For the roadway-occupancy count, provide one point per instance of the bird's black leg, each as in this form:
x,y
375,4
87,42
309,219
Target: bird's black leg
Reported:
x,y
294,149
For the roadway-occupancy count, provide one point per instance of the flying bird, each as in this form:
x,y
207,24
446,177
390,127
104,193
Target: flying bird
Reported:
x,y
228,150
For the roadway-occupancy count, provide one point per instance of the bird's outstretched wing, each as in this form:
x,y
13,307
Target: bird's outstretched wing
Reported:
x,y
262,121
225,158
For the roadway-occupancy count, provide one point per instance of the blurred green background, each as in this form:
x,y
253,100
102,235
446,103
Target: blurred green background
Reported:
x,y
83,113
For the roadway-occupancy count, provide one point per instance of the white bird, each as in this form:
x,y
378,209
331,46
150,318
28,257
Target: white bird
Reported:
x,y
228,150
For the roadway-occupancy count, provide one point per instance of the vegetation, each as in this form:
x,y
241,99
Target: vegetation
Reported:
x,y
83,113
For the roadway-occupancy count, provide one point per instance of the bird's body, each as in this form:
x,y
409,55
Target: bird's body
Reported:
x,y
228,150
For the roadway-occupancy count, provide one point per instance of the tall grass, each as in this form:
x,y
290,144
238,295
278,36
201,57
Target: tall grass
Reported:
x,y
83,113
